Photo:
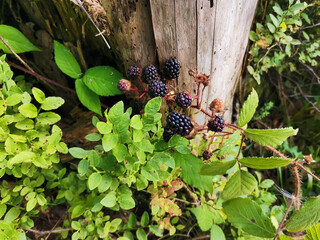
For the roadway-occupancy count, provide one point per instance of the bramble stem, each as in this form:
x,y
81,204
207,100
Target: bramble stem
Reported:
x,y
283,219
310,173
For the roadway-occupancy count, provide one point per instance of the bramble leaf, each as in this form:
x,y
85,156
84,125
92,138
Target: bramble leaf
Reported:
x,y
264,163
248,108
216,167
204,217
313,233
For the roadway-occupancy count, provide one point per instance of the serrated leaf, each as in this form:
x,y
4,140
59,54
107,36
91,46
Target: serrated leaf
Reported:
x,y
38,95
272,137
66,61
28,110
313,233
265,163
204,217
163,157
51,103
240,184
217,167
247,215
229,145
190,168
153,106
307,216
88,98
248,108
94,180
16,40
103,80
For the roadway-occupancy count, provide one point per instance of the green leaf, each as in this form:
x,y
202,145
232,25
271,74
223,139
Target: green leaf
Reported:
x,y
264,163
241,183
190,168
83,167
296,7
94,180
3,107
16,40
274,20
12,214
248,108
145,219
271,27
247,215
229,145
93,137
217,167
38,95
23,156
48,118
28,110
307,216
104,128
153,106
77,211
88,98
66,61
77,152
3,209
109,141
103,80
109,200
160,158
31,204
272,137
51,103
136,122
204,217
120,152
313,233
145,145
150,173
116,112
25,124
216,233
126,202
14,99
141,234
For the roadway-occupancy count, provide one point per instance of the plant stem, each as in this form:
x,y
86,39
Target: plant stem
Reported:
x,y
41,233
283,219
310,173
192,195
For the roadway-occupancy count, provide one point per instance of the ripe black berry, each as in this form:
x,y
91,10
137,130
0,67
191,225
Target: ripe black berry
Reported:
x,y
179,123
206,154
149,73
133,72
171,68
157,89
216,124
124,85
167,134
183,100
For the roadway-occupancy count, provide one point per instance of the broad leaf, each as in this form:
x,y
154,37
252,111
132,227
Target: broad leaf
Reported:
x,y
16,40
48,118
94,180
307,216
109,141
240,184
272,137
153,106
190,168
77,152
204,217
246,214
115,113
25,124
109,200
264,163
217,167
38,95
28,110
88,98
103,80
51,103
248,108
66,61
229,145
313,233
216,233
23,156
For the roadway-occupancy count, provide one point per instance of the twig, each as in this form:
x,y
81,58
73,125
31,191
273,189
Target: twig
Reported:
x,y
310,173
275,151
192,195
201,237
52,229
311,26
15,54
41,233
283,219
311,70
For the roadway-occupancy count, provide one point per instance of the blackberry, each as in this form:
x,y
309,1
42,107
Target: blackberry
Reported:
x,y
179,123
149,73
171,68
206,154
157,89
124,85
133,72
167,134
183,100
216,124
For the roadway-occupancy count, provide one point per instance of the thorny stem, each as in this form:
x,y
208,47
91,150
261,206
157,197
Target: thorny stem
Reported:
x,y
283,219
297,185
15,54
275,151
310,173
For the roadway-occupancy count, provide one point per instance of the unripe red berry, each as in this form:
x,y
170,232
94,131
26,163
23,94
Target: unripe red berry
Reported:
x,y
124,85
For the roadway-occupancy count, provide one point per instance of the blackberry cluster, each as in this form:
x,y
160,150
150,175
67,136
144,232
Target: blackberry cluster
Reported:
x,y
206,154
167,134
124,85
179,123
133,72
171,68
216,124
149,73
183,100
157,89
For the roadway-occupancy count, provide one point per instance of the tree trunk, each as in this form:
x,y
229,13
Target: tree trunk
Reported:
x,y
209,36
